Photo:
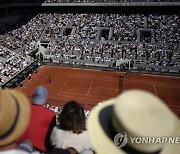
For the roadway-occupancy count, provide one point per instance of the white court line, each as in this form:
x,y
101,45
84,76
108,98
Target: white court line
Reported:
x,y
167,86
73,93
155,90
105,88
107,80
86,69
80,97
95,78
173,105
90,87
150,82
82,94
64,84
160,75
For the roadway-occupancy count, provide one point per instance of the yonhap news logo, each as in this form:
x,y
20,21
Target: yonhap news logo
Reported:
x,y
121,139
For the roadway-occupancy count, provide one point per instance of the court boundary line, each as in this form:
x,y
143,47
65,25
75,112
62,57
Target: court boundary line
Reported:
x,y
155,90
168,76
106,88
89,87
174,105
152,83
80,97
79,68
64,84
160,85
95,78
167,86
126,80
81,94
117,72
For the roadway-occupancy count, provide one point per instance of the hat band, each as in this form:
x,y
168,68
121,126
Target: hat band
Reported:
x,y
109,129
10,130
128,148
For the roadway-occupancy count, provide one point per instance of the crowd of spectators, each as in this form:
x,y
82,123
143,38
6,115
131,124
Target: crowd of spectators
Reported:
x,y
22,35
149,54
81,37
166,28
126,27
51,124
105,1
77,134
85,1
36,118
86,26
56,24
12,64
81,49
81,43
158,55
10,42
32,30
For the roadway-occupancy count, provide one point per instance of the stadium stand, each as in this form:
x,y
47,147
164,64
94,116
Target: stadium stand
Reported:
x,y
11,64
146,42
127,41
84,1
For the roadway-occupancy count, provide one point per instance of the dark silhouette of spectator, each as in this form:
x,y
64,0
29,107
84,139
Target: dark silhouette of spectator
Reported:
x,y
42,121
14,119
72,129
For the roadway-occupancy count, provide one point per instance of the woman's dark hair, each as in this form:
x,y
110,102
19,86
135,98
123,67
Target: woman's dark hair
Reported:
x,y
72,117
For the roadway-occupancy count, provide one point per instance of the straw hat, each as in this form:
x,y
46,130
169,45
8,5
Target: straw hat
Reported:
x,y
136,114
14,115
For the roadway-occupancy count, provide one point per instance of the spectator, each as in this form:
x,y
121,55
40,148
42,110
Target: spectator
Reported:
x,y
137,113
14,119
42,121
72,129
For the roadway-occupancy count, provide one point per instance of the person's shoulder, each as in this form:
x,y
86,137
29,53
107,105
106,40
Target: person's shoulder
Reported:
x,y
43,109
57,129
85,132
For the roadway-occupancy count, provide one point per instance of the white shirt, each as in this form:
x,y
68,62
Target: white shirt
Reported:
x,y
65,139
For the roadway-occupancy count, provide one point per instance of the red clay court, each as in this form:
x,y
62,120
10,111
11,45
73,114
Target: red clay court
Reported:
x,y
90,87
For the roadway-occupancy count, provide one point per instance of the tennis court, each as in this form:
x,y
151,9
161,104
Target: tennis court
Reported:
x,y
90,87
